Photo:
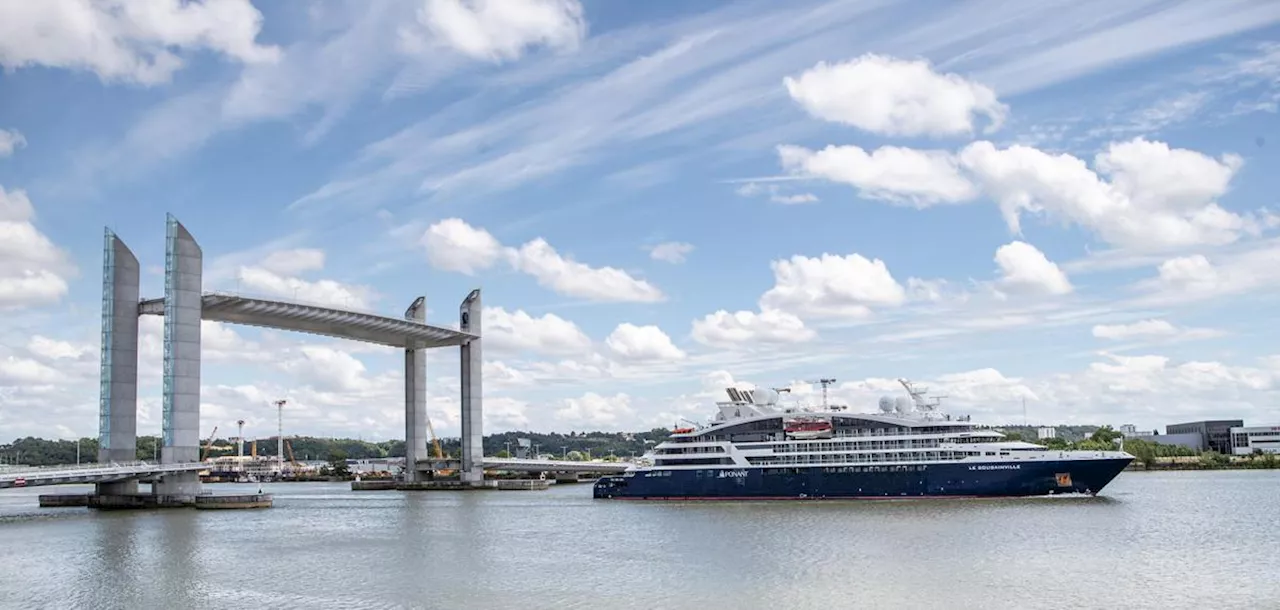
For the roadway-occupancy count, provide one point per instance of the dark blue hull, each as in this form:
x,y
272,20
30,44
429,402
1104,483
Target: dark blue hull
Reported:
x,y
993,479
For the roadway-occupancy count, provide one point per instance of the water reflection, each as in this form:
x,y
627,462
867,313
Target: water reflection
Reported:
x,y
323,546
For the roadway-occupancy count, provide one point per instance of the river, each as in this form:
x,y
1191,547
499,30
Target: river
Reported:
x,y
1151,540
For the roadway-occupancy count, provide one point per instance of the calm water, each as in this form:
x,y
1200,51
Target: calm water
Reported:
x,y
1154,540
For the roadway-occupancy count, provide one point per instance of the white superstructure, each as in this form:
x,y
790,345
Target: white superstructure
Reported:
x,y
754,430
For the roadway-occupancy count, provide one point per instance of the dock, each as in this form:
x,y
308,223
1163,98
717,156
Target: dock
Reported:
x,y
453,485
153,501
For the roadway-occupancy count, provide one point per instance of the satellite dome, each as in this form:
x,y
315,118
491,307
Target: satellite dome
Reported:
x,y
886,404
902,404
765,396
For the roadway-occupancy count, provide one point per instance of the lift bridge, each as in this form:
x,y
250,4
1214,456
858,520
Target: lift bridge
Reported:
x,y
184,305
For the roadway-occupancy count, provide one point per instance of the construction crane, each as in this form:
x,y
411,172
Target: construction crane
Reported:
x,y
292,462
204,455
435,444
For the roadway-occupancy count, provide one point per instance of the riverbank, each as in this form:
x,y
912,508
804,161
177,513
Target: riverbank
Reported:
x,y
1208,461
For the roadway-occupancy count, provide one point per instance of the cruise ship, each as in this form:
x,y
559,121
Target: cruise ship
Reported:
x,y
758,449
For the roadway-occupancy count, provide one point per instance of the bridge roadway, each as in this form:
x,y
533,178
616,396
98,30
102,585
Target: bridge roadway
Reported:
x,y
92,473
109,473
526,465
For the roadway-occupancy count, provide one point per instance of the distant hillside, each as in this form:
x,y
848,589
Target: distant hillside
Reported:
x,y
42,452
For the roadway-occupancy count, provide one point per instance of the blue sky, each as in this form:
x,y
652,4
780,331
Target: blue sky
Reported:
x,y
1062,202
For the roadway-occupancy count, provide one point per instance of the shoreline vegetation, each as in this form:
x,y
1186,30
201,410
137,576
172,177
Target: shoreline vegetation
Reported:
x,y
611,446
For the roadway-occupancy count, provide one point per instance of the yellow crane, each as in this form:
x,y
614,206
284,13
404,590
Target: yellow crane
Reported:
x,y
289,451
435,444
204,455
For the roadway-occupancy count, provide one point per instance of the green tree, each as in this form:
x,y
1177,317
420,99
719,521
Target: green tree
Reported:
x,y
338,463
1104,436
1213,459
576,456
1144,451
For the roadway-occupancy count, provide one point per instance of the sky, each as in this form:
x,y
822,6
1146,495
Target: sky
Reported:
x,y
1065,204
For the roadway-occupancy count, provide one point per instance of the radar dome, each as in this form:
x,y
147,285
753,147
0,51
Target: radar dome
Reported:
x,y
902,404
886,404
765,396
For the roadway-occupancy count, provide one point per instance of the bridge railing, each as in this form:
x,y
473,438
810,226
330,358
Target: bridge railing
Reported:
x,y
92,467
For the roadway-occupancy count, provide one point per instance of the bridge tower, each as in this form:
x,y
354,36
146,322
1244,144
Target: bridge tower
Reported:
x,y
118,398
415,397
183,270
469,314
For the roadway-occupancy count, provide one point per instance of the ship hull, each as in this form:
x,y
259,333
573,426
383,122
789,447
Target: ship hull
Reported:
x,y
961,479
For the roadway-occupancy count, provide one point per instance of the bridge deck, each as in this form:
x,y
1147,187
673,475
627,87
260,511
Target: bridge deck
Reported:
x,y
527,465
319,320
91,473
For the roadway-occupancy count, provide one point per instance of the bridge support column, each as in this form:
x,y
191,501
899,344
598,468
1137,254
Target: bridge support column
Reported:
x,y
415,399
118,398
183,261
472,398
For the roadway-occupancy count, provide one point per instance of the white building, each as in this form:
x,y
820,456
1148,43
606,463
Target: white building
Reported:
x,y
1247,439
1046,432
1128,429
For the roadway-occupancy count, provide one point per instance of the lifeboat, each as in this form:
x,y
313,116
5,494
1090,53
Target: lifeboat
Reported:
x,y
805,429
682,430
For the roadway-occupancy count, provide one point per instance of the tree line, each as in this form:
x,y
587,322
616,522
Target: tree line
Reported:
x,y
32,451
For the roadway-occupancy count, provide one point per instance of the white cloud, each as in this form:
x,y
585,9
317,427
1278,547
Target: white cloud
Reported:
x,y
517,330
33,271
1149,390
895,97
454,245
751,189
271,279
831,286
10,140
127,41
1024,268
18,371
890,173
55,349
1197,277
497,30
571,278
1151,328
1156,198
747,328
595,410
642,343
673,252
293,262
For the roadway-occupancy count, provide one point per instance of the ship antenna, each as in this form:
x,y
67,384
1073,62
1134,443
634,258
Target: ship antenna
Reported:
x,y
825,383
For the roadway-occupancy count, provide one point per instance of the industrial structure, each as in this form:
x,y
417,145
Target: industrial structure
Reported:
x,y
1249,439
1214,435
185,304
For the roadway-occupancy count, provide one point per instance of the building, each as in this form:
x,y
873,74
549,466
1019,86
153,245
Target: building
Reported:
x,y
1128,429
1046,432
1192,440
1215,435
1246,440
